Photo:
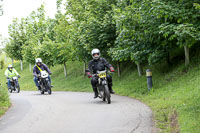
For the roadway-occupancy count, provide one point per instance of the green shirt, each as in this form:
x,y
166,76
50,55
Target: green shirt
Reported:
x,y
11,74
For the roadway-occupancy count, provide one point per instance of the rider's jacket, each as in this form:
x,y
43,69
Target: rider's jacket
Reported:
x,y
11,74
98,65
36,71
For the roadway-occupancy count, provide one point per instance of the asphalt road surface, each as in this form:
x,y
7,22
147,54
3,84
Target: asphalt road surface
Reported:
x,y
75,112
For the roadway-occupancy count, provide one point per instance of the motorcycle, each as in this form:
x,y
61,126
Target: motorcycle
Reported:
x,y
102,86
44,82
14,85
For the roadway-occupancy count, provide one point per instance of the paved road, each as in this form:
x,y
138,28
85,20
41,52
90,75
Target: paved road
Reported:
x,y
72,112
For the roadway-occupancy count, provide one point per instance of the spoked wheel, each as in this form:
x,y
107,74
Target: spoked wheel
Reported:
x,y
49,88
18,89
101,95
107,94
42,91
104,99
10,90
49,91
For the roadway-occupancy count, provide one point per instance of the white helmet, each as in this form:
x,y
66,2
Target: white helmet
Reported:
x,y
10,66
38,60
95,51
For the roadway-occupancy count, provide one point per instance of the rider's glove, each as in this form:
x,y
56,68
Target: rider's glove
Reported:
x,y
50,73
7,77
89,75
112,69
18,76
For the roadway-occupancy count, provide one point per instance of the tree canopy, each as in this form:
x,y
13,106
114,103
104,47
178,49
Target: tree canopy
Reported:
x,y
143,32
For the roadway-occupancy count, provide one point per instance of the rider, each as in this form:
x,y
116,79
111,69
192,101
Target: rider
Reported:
x,y
9,73
99,64
36,71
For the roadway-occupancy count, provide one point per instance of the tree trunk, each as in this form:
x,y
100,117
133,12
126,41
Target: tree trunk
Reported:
x,y
65,70
187,59
30,69
84,68
139,67
5,59
168,59
12,62
118,68
21,65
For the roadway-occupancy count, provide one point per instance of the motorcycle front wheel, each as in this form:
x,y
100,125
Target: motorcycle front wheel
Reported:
x,y
107,94
49,88
49,91
42,91
18,89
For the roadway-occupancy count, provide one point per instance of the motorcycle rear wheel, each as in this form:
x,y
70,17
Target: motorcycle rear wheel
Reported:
x,y
42,91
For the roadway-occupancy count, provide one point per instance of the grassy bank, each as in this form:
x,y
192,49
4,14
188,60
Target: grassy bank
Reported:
x,y
174,100
4,99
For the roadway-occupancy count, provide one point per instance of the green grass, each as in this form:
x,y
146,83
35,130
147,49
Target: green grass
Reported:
x,y
176,90
4,99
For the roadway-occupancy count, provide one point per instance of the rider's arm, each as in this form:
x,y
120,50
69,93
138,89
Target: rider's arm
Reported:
x,y
34,71
108,66
6,73
106,63
90,66
15,72
89,69
46,68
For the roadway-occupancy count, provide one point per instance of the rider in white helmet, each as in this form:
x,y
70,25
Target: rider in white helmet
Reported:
x,y
99,64
9,73
39,66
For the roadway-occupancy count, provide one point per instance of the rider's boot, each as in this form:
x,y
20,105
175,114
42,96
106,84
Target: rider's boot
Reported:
x,y
110,89
95,92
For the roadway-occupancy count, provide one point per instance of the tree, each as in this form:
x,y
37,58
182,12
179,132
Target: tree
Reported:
x,y
91,27
181,23
1,8
17,40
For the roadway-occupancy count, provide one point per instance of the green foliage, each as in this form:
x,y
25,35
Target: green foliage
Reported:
x,y
91,26
139,31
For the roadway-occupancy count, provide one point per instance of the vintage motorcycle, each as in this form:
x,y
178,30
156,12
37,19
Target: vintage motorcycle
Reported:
x,y
14,85
102,86
44,82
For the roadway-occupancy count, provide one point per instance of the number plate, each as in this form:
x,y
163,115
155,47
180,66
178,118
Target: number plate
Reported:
x,y
102,75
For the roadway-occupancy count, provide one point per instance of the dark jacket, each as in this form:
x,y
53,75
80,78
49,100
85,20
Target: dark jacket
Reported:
x,y
42,67
101,64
